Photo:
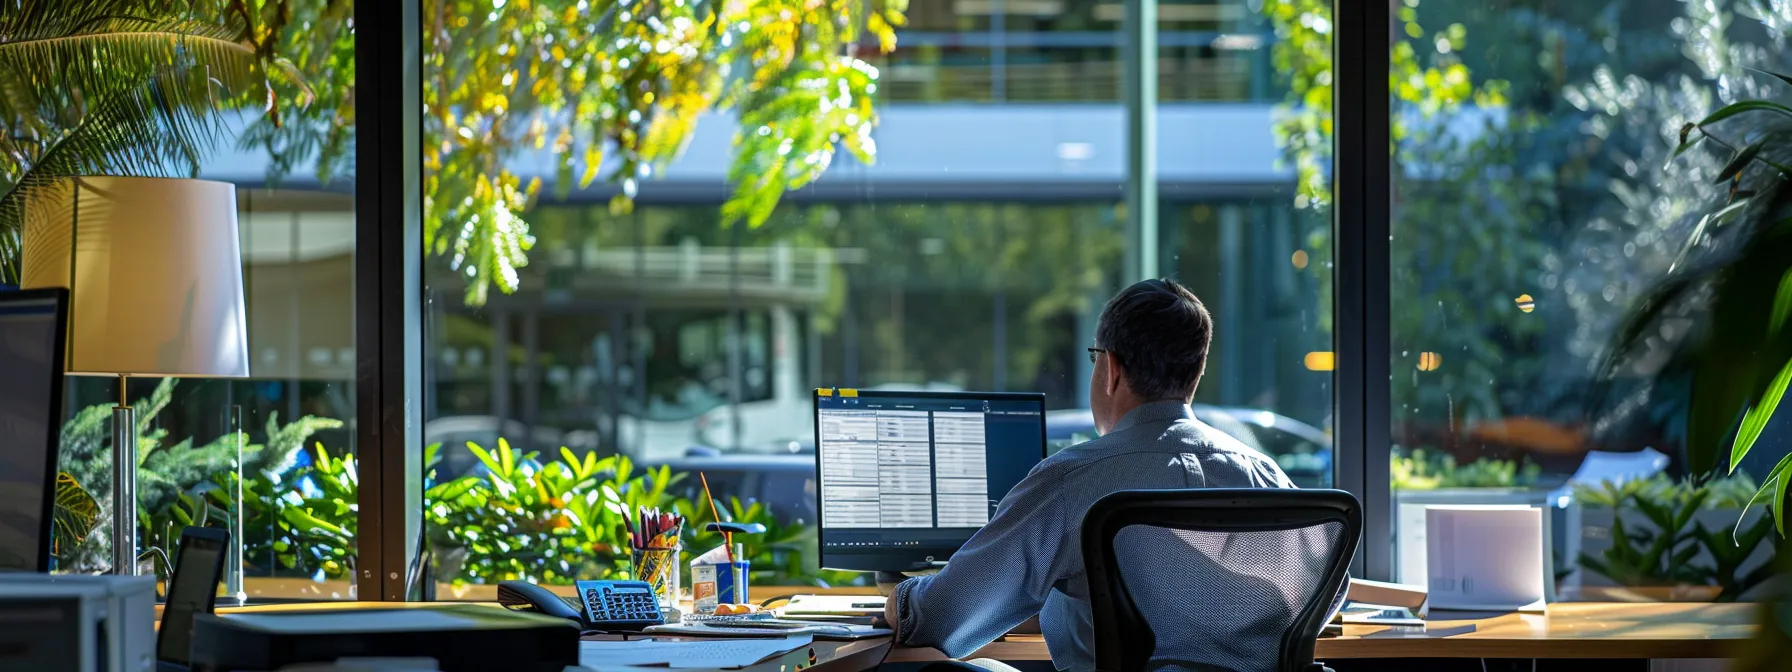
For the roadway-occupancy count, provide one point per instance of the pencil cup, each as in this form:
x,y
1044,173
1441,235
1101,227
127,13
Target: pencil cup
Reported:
x,y
659,568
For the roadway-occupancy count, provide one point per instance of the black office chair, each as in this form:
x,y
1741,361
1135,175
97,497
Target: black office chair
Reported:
x,y
1240,579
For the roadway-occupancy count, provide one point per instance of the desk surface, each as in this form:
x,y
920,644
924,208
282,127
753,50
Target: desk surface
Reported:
x,y
830,656
1569,630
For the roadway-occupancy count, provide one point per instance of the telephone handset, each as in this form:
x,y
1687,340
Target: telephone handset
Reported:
x,y
601,605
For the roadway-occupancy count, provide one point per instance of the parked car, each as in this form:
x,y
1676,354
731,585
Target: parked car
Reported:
x,y
785,479
1303,451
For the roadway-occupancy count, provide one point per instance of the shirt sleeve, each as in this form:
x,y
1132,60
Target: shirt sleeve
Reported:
x,y
999,579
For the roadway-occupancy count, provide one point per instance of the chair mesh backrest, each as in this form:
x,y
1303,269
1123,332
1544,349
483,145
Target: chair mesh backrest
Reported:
x,y
1223,600
1238,580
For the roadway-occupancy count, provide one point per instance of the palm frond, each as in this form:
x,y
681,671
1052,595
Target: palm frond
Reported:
x,y
76,512
113,87
161,129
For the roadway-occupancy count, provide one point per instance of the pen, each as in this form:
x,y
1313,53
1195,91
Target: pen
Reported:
x,y
629,527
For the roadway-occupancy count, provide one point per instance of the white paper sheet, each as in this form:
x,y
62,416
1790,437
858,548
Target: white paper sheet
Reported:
x,y
709,654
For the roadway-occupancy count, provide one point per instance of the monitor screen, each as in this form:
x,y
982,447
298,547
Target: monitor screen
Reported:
x,y
907,477
30,419
192,590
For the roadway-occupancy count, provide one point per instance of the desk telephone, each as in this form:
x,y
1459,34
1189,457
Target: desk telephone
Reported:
x,y
600,605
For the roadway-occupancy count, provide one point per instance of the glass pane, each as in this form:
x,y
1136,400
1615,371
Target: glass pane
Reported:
x,y
1257,249
269,457
1540,214
657,323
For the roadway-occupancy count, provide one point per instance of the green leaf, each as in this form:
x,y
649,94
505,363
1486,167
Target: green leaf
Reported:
x,y
1778,505
76,512
1686,142
1713,220
485,457
1734,109
1782,305
305,522
1755,420
1772,74
1737,163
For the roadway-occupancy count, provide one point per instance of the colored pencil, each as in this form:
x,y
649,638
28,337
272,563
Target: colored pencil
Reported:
x,y
727,539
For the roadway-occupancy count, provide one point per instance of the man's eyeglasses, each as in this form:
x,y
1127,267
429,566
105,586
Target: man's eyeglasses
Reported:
x,y
1094,354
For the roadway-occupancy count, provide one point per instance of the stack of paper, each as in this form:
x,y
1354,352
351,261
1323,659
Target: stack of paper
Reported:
x,y
1485,557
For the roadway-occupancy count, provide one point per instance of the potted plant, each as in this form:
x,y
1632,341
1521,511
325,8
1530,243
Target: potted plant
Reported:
x,y
1668,540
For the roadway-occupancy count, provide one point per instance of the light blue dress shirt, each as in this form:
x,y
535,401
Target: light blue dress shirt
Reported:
x,y
1028,560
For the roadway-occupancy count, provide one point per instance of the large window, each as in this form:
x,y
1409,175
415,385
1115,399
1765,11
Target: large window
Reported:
x,y
650,329
645,237
271,457
1538,214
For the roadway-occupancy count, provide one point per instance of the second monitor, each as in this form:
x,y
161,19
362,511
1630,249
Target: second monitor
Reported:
x,y
907,477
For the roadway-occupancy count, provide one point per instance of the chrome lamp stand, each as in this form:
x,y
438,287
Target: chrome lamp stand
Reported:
x,y
124,484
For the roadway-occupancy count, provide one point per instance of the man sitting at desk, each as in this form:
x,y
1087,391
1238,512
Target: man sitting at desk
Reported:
x,y
1150,349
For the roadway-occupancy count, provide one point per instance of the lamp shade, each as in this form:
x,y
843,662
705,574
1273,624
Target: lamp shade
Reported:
x,y
153,269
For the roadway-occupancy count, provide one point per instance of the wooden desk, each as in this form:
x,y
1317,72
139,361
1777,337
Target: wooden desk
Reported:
x,y
830,656
1586,630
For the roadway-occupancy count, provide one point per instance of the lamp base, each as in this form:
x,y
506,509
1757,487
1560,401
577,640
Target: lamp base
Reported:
x,y
124,488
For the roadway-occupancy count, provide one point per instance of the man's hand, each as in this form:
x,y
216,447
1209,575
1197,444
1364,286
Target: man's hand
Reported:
x,y
890,617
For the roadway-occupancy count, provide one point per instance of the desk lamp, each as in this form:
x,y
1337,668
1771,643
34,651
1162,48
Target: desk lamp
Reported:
x,y
155,281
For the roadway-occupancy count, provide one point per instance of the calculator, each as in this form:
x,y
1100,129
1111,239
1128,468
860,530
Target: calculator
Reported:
x,y
618,605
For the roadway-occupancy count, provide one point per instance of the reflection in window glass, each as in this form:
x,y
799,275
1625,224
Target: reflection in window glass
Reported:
x,y
1054,51
647,331
1537,208
271,458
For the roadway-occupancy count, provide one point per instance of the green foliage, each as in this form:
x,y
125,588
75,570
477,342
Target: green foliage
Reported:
x,y
1458,154
1665,550
1428,84
76,514
550,524
580,79
298,532
161,528
1428,470
559,522
173,480
115,87
1734,267
1660,555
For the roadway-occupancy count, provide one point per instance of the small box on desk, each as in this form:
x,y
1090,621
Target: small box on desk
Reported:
x,y
457,637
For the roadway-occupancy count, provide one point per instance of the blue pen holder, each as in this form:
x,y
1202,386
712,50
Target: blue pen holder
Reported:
x,y
719,583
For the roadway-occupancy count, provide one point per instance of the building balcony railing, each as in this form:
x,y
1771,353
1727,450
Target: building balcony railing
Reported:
x,y
689,270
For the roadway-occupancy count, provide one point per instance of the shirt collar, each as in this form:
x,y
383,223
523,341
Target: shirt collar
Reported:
x,y
1153,411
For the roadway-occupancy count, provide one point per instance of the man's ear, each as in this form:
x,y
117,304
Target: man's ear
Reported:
x,y
1116,375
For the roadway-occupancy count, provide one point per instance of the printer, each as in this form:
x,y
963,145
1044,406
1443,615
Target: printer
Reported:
x,y
77,623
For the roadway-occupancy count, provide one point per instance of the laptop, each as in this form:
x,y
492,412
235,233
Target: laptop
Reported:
x,y
192,590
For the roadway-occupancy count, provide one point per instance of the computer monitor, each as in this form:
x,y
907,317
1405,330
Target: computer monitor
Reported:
x,y
907,477
32,338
